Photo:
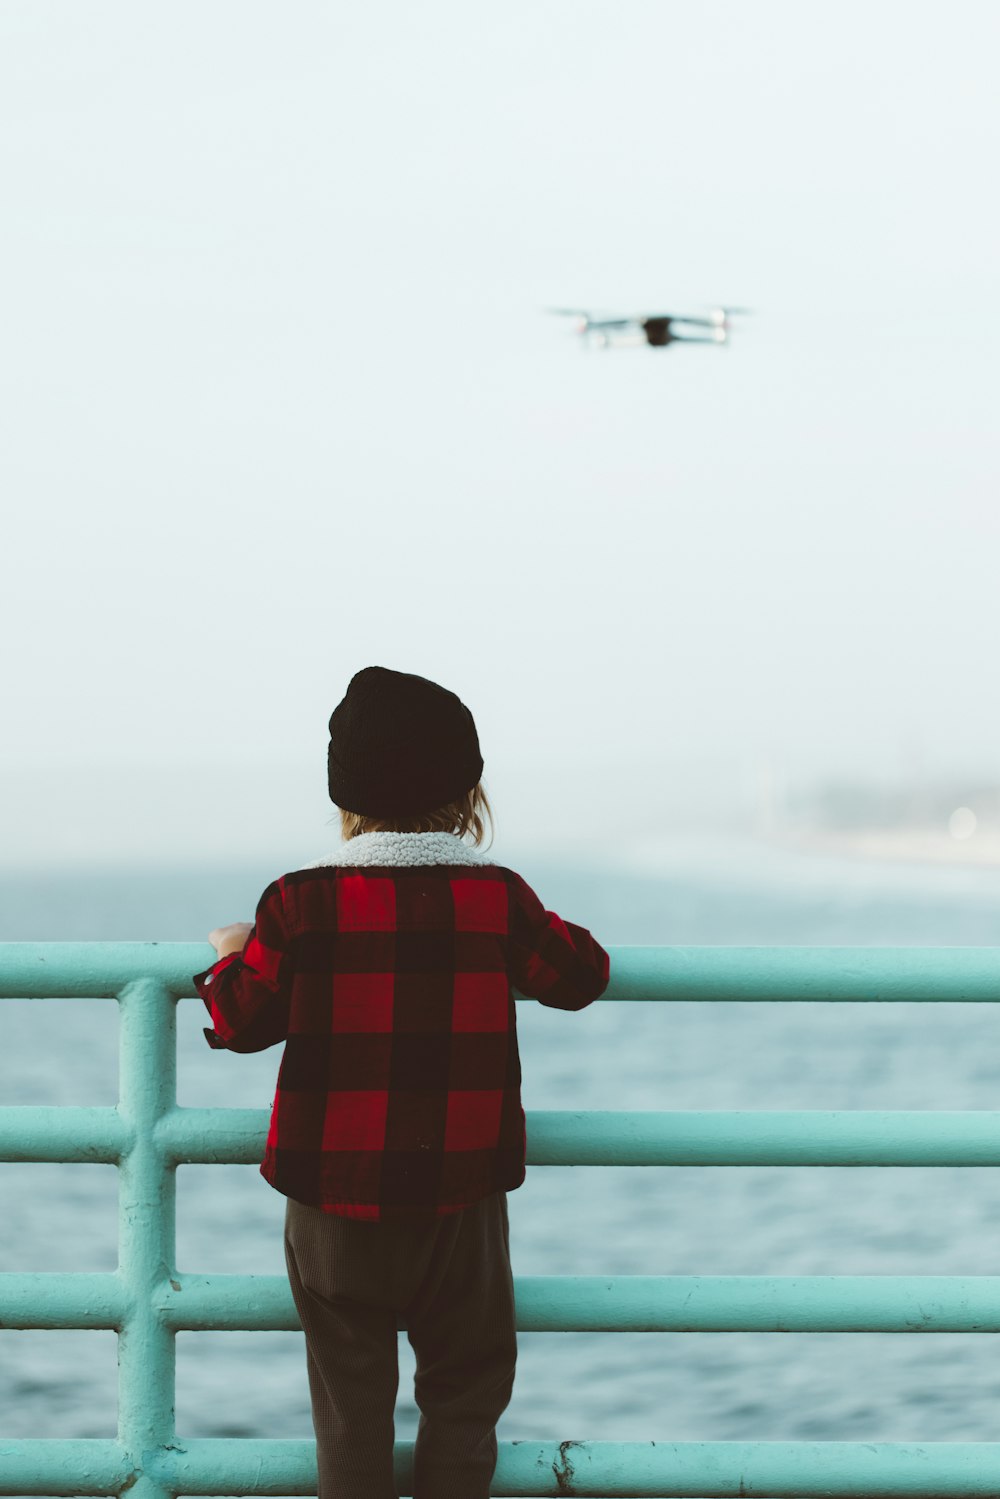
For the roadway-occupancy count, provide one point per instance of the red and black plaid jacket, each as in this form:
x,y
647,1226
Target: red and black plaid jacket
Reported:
x,y
391,981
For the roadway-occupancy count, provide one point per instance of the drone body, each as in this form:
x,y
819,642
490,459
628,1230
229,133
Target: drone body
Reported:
x,y
658,329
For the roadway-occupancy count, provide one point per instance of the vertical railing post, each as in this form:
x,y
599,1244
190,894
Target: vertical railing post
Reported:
x,y
146,1230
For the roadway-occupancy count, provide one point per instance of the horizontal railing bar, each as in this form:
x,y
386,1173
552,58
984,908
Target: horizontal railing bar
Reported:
x,y
764,1137
646,1303
99,970
550,1303
31,1132
717,1470
46,1299
563,1137
758,1303
227,1303
96,970
64,1465
635,1470
805,974
211,1137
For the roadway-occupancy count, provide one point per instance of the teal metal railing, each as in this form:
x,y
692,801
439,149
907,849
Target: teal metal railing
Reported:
x,y
147,1301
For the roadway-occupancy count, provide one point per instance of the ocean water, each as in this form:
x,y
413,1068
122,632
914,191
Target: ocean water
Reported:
x,y
571,1220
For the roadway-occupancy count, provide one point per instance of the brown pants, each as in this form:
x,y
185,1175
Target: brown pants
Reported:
x,y
451,1282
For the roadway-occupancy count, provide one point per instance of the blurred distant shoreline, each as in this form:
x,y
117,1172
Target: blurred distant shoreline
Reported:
x,y
916,820
911,845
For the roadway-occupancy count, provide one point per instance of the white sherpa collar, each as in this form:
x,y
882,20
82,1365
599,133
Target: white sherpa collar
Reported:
x,y
403,848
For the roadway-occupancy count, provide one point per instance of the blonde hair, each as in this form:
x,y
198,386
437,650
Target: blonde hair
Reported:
x,y
461,816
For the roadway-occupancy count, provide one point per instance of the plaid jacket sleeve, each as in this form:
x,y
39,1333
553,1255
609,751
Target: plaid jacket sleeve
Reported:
x,y
553,961
247,994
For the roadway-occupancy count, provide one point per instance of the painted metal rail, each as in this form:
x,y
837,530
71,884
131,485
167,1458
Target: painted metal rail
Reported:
x,y
147,1301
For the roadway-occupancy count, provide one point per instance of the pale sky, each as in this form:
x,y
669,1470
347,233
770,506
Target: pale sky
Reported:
x,y
281,400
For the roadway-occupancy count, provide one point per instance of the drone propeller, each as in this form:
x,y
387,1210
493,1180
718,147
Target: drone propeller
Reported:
x,y
718,320
589,322
593,319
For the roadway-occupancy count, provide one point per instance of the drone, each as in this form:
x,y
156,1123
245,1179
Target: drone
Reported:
x,y
656,329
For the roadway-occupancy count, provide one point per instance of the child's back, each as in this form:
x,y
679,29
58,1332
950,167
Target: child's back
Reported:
x,y
389,974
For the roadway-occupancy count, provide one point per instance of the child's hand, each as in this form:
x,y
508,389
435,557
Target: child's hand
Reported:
x,y
231,938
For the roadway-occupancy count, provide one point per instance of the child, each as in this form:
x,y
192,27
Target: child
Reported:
x,y
397,1129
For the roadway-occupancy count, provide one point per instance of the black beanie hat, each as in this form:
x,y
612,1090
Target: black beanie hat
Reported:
x,y
400,745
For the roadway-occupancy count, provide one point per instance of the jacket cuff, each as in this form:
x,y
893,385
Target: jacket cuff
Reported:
x,y
203,981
